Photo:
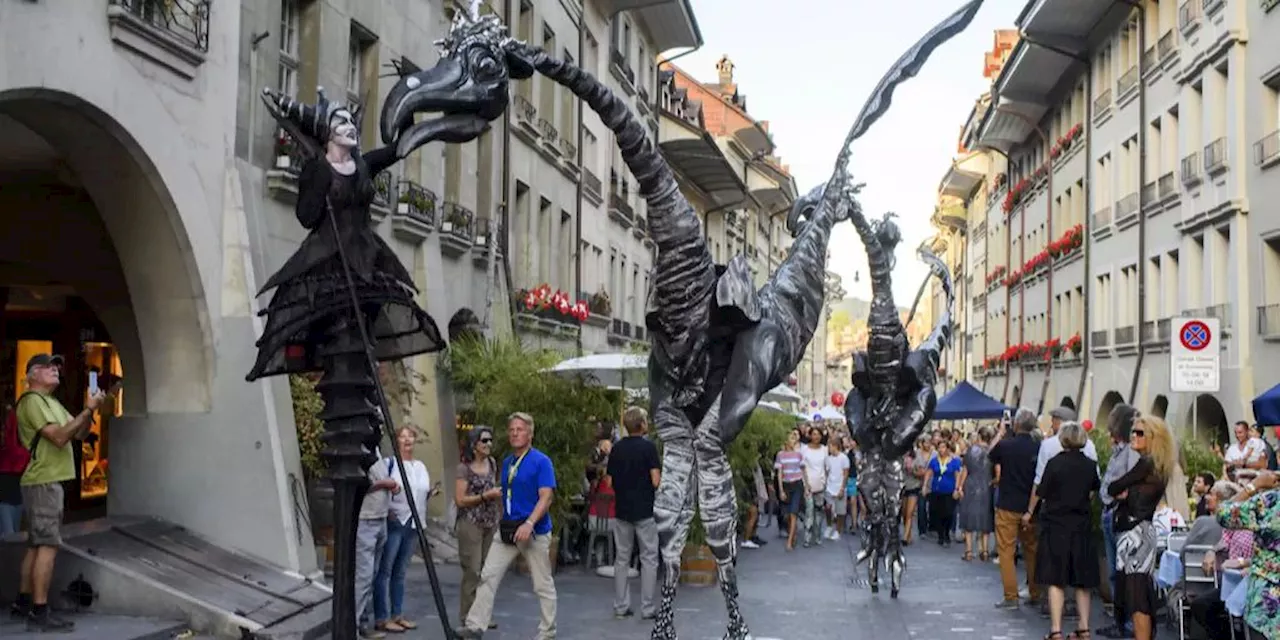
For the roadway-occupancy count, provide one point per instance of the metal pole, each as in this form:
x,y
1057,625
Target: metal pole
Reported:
x,y
1195,417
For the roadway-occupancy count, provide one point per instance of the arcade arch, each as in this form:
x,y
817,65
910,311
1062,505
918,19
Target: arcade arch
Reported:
x,y
1206,419
1109,402
95,263
1160,407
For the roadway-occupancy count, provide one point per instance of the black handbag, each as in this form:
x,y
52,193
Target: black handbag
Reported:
x,y
507,526
507,530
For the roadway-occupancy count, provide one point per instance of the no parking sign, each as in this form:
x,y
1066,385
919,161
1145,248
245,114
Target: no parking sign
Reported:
x,y
1194,355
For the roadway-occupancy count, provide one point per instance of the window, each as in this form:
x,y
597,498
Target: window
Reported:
x,y
521,224
1169,283
1195,273
1267,150
358,47
544,240
287,78
568,115
548,88
565,255
591,61
1102,294
1155,293
1271,278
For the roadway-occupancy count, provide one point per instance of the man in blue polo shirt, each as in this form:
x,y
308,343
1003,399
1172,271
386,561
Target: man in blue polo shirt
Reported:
x,y
1015,459
528,487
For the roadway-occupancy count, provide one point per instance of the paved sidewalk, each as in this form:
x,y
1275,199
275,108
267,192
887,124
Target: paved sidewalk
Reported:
x,y
807,593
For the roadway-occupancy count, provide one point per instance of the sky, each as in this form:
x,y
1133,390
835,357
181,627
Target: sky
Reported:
x,y
807,66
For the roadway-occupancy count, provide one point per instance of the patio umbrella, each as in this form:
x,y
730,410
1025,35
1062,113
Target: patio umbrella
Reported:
x,y
828,412
611,370
782,393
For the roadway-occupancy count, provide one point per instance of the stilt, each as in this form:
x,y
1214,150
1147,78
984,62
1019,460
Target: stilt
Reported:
x,y
350,434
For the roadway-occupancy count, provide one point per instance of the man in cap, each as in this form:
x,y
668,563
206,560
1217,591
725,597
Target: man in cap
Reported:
x,y
1050,447
47,429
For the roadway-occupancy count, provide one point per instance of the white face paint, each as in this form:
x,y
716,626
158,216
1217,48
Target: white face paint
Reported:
x,y
342,129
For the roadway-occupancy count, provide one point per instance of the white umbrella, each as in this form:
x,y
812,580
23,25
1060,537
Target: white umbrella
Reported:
x,y
829,413
771,406
782,393
612,370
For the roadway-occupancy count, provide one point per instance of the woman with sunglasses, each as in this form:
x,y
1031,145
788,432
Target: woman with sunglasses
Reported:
x,y
1137,494
477,496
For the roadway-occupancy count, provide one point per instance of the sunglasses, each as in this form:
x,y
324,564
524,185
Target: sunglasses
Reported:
x,y
1138,432
486,440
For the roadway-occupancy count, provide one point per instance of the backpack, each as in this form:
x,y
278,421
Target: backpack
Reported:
x,y
14,457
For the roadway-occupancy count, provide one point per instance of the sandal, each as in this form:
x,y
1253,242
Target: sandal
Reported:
x,y
390,626
407,624
1081,633
967,557
1054,635
984,556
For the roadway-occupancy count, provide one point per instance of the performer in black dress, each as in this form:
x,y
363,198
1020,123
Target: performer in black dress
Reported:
x,y
312,324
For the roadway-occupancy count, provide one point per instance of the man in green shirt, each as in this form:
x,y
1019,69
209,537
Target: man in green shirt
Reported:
x,y
48,429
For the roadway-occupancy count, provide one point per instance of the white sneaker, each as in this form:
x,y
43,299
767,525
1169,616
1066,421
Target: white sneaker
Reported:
x,y
835,535
747,544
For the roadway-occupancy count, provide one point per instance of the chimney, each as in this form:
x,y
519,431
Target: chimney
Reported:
x,y
725,69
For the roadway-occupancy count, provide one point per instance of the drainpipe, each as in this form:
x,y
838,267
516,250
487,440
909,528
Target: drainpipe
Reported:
x,y
1086,332
512,8
579,136
1008,168
1142,206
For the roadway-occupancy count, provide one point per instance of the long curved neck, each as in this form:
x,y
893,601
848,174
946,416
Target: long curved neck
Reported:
x,y
883,315
801,278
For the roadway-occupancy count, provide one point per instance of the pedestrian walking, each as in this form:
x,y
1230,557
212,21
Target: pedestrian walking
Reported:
x,y
976,512
528,487
942,490
815,486
837,480
789,464
634,471
478,499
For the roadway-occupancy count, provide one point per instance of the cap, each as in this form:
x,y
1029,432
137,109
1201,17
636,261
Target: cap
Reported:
x,y
1063,413
43,360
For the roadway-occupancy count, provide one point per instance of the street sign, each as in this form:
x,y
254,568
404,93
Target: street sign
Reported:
x,y
1194,355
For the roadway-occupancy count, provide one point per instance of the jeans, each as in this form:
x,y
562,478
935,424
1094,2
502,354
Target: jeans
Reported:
x,y
624,534
371,536
389,581
1109,542
10,518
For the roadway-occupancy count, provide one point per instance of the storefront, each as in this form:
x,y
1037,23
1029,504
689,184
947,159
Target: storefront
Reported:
x,y
52,319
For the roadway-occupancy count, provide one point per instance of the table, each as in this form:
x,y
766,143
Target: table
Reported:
x,y
1235,591
1169,572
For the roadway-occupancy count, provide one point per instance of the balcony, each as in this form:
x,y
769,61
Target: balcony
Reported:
x,y
568,150
1211,6
1102,102
642,228
1267,150
1150,193
1102,218
1126,207
620,67
1125,335
1127,82
1215,157
1269,321
1191,167
642,97
1220,311
1167,46
1100,339
1189,15
550,137
488,235
526,118
1167,186
415,213
620,210
1149,60
591,187
172,33
456,229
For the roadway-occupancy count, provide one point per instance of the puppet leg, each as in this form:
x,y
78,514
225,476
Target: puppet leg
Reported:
x,y
718,505
673,512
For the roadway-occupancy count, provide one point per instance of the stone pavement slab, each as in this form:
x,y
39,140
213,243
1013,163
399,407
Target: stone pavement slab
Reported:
x,y
92,626
806,593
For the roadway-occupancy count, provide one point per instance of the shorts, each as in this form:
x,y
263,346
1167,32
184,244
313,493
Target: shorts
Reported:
x,y
851,488
793,497
44,514
839,506
819,500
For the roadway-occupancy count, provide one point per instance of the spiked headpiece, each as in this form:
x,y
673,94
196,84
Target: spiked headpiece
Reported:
x,y
310,120
470,28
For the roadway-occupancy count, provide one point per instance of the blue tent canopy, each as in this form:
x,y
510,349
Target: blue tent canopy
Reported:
x,y
967,402
1266,407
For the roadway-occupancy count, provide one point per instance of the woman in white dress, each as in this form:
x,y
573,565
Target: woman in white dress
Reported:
x,y
402,537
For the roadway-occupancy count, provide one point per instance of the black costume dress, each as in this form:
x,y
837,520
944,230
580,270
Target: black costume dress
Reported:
x,y
1067,555
312,301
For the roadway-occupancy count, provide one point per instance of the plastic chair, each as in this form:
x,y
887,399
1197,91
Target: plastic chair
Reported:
x,y
1194,581
600,526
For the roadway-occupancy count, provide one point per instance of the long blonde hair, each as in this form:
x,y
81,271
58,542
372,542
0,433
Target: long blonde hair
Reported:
x,y
1160,444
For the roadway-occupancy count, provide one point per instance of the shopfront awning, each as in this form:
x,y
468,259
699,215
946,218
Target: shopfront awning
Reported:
x,y
1071,25
700,162
671,24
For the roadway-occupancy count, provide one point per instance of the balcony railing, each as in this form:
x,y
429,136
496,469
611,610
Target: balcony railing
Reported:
x,y
1164,329
1147,334
1215,155
642,94
1168,42
1127,81
1210,6
457,221
1269,320
548,131
1189,14
1267,149
1149,59
416,202
569,150
1127,206
1102,218
1168,185
1103,101
185,20
1191,166
619,203
1150,192
1220,311
525,110
1125,335
591,183
1100,339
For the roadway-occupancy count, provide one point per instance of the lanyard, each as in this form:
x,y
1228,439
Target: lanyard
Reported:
x,y
512,470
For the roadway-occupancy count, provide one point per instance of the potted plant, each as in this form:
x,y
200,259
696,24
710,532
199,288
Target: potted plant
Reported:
x,y
406,199
307,406
284,150
455,217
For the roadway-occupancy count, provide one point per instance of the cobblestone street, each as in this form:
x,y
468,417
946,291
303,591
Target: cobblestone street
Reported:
x,y
808,593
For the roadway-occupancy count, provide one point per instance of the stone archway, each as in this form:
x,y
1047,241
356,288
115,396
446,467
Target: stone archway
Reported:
x,y
84,206
465,324
1016,397
1160,407
1209,420
1068,403
1109,402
